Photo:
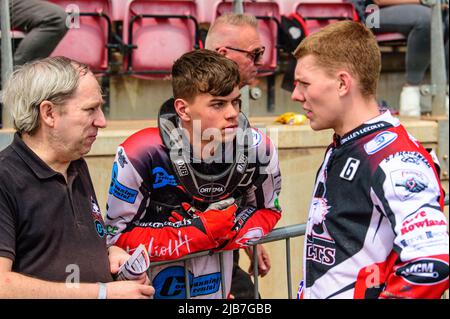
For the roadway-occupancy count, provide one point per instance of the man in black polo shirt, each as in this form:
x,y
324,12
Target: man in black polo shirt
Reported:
x,y
52,236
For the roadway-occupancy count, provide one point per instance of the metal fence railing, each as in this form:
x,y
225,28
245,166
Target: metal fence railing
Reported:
x,y
277,234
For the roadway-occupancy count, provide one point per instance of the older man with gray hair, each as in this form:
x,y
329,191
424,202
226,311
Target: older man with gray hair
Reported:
x,y
52,235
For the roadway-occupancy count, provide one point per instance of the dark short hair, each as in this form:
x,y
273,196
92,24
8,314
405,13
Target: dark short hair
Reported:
x,y
203,71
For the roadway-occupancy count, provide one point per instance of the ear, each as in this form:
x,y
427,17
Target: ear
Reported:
x,y
345,82
223,51
47,113
182,109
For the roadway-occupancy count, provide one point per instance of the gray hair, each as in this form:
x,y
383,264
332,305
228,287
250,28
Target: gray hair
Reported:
x,y
53,79
228,19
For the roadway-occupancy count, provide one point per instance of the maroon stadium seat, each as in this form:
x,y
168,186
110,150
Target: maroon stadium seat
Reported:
x,y
319,14
158,32
88,41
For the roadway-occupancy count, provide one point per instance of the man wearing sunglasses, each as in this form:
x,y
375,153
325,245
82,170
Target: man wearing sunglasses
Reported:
x,y
236,37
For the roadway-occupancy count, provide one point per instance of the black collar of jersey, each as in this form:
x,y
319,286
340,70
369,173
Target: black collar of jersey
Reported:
x,y
204,188
359,132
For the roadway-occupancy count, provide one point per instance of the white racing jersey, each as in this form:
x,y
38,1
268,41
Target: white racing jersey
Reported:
x,y
376,227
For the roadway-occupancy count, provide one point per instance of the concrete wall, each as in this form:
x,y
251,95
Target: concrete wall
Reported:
x,y
137,99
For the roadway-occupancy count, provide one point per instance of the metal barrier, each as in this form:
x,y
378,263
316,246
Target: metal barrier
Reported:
x,y
437,88
281,233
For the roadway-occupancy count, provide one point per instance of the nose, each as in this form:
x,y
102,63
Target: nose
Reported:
x,y
259,62
100,120
232,111
297,95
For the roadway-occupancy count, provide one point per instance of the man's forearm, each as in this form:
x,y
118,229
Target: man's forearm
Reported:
x,y
14,285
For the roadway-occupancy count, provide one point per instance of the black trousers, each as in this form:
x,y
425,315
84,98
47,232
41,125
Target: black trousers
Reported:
x,y
44,24
242,286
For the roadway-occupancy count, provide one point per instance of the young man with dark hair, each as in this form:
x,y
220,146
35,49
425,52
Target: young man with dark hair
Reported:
x,y
203,180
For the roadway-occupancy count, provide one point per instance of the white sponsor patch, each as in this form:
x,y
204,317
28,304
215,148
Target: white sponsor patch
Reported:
x,y
408,182
379,142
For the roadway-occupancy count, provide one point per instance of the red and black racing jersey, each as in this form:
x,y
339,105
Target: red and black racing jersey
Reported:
x,y
145,190
376,227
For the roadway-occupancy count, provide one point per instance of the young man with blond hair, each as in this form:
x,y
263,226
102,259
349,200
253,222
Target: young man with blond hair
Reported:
x,y
376,227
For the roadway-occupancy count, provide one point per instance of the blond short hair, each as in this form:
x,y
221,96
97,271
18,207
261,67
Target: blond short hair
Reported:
x,y
346,45
214,36
53,79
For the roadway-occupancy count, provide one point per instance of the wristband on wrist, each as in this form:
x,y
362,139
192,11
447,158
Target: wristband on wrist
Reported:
x,y
101,290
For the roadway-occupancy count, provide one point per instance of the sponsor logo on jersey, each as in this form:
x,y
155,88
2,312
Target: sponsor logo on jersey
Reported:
x,y
252,235
379,142
407,183
169,283
241,163
319,210
426,271
422,224
120,191
181,168
320,245
211,189
243,216
162,178
257,138
97,216
182,223
424,240
321,254
121,158
362,131
112,230
408,157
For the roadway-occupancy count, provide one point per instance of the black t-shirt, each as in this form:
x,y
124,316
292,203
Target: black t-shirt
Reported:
x,y
51,229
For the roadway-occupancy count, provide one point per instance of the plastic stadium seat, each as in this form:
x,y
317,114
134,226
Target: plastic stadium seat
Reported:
x,y
386,38
286,7
118,9
268,15
88,41
319,14
205,10
157,33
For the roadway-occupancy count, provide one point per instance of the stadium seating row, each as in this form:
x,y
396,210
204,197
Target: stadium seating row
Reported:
x,y
157,32
154,34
